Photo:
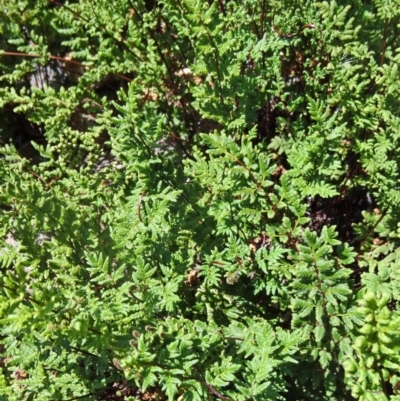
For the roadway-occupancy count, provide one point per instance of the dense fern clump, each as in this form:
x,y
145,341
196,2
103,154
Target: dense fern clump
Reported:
x,y
199,200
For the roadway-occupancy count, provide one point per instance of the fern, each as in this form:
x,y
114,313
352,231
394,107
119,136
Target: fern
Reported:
x,y
199,200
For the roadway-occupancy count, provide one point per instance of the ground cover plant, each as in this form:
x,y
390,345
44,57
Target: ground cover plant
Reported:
x,y
199,200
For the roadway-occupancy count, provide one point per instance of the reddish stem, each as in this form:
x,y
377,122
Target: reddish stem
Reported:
x,y
62,59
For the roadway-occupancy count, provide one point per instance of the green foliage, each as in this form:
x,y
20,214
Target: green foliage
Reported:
x,y
199,200
376,358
